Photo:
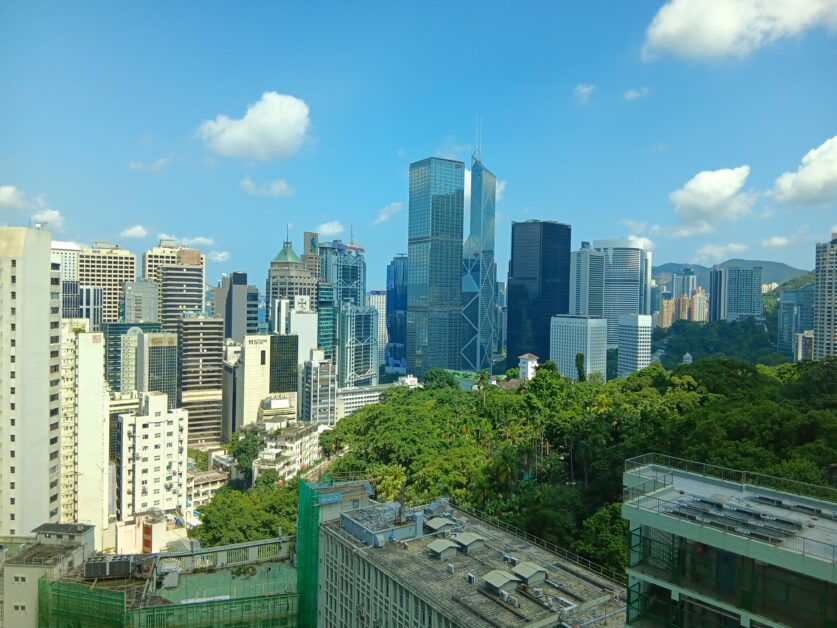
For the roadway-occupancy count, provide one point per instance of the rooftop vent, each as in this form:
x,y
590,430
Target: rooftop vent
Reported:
x,y
471,578
451,568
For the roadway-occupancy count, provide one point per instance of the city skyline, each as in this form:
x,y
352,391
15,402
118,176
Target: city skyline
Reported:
x,y
705,177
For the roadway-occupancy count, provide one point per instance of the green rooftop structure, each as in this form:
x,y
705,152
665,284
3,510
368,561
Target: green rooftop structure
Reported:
x,y
247,584
711,546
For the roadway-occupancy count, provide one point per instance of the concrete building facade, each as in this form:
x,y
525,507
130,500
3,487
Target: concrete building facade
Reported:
x,y
634,343
571,335
825,302
109,267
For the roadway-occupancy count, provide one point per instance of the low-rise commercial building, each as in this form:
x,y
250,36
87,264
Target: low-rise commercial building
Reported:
x,y
201,487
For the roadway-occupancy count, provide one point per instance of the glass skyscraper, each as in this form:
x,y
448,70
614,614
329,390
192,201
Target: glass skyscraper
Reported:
x,y
479,277
434,285
396,353
538,285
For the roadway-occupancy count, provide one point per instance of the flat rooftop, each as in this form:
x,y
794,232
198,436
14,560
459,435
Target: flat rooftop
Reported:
x,y
570,592
737,502
41,554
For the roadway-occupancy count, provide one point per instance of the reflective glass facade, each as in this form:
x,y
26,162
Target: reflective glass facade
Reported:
x,y
434,284
396,352
538,284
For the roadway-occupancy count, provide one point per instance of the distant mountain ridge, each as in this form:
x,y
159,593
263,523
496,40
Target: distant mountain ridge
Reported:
x,y
770,271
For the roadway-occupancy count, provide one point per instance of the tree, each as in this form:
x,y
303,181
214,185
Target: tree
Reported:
x,y
483,380
604,538
245,447
200,458
579,367
439,378
513,373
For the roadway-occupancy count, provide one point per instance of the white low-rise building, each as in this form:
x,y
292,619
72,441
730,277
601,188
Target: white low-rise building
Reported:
x,y
350,400
201,487
288,451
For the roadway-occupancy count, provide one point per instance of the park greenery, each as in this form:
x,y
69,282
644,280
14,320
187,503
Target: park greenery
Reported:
x,y
548,456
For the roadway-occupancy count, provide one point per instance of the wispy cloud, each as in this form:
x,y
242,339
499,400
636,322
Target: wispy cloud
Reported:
x,y
153,166
278,187
195,241
718,252
388,212
137,231
583,92
330,228
39,210
636,94
219,256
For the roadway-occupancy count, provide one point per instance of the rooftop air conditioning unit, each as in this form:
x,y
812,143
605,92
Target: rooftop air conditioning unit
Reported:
x,y
504,595
513,561
471,578
537,592
513,601
451,568
506,558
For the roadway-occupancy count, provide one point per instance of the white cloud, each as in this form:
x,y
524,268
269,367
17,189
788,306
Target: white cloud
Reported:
x,y
279,187
388,212
273,128
51,218
38,208
153,166
195,241
501,188
833,230
450,149
583,92
636,94
706,29
330,228
815,181
642,241
219,256
707,199
776,242
718,252
12,198
137,231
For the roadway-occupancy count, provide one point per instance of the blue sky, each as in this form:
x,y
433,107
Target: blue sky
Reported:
x,y
621,118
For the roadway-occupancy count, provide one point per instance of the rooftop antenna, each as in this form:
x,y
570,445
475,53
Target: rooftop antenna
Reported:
x,y
351,234
287,232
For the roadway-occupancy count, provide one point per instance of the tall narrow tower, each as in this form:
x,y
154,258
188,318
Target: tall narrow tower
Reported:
x,y
479,274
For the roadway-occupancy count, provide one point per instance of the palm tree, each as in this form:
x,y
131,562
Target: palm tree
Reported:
x,y
483,380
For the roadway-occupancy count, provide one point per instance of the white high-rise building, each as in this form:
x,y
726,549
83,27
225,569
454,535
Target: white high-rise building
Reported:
x,y
377,299
571,335
84,428
151,458
66,254
634,343
109,267
825,299
300,320
30,372
627,282
319,390
587,270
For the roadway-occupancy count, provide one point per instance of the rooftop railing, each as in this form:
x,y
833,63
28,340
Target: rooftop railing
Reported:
x,y
748,478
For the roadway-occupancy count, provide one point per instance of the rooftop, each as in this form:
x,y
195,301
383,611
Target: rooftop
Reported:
x,y
479,588
791,515
42,554
62,528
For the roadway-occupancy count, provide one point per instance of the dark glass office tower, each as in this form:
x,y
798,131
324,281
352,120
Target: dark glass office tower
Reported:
x,y
434,285
396,353
538,285
284,371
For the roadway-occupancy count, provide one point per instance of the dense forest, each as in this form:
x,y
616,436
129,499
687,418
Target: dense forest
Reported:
x,y
548,456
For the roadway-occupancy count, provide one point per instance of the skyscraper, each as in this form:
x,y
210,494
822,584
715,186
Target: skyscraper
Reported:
x,y
91,304
396,350
141,301
735,293
66,254
168,253
114,337
157,364
326,319
825,302
377,299
434,287
181,292
287,277
109,267
634,343
572,334
538,284
479,273
357,348
587,281
30,371
344,266
683,283
238,304
627,285
795,314
201,342
284,364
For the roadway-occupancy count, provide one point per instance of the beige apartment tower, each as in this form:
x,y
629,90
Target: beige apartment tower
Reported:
x,y
107,266
30,372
